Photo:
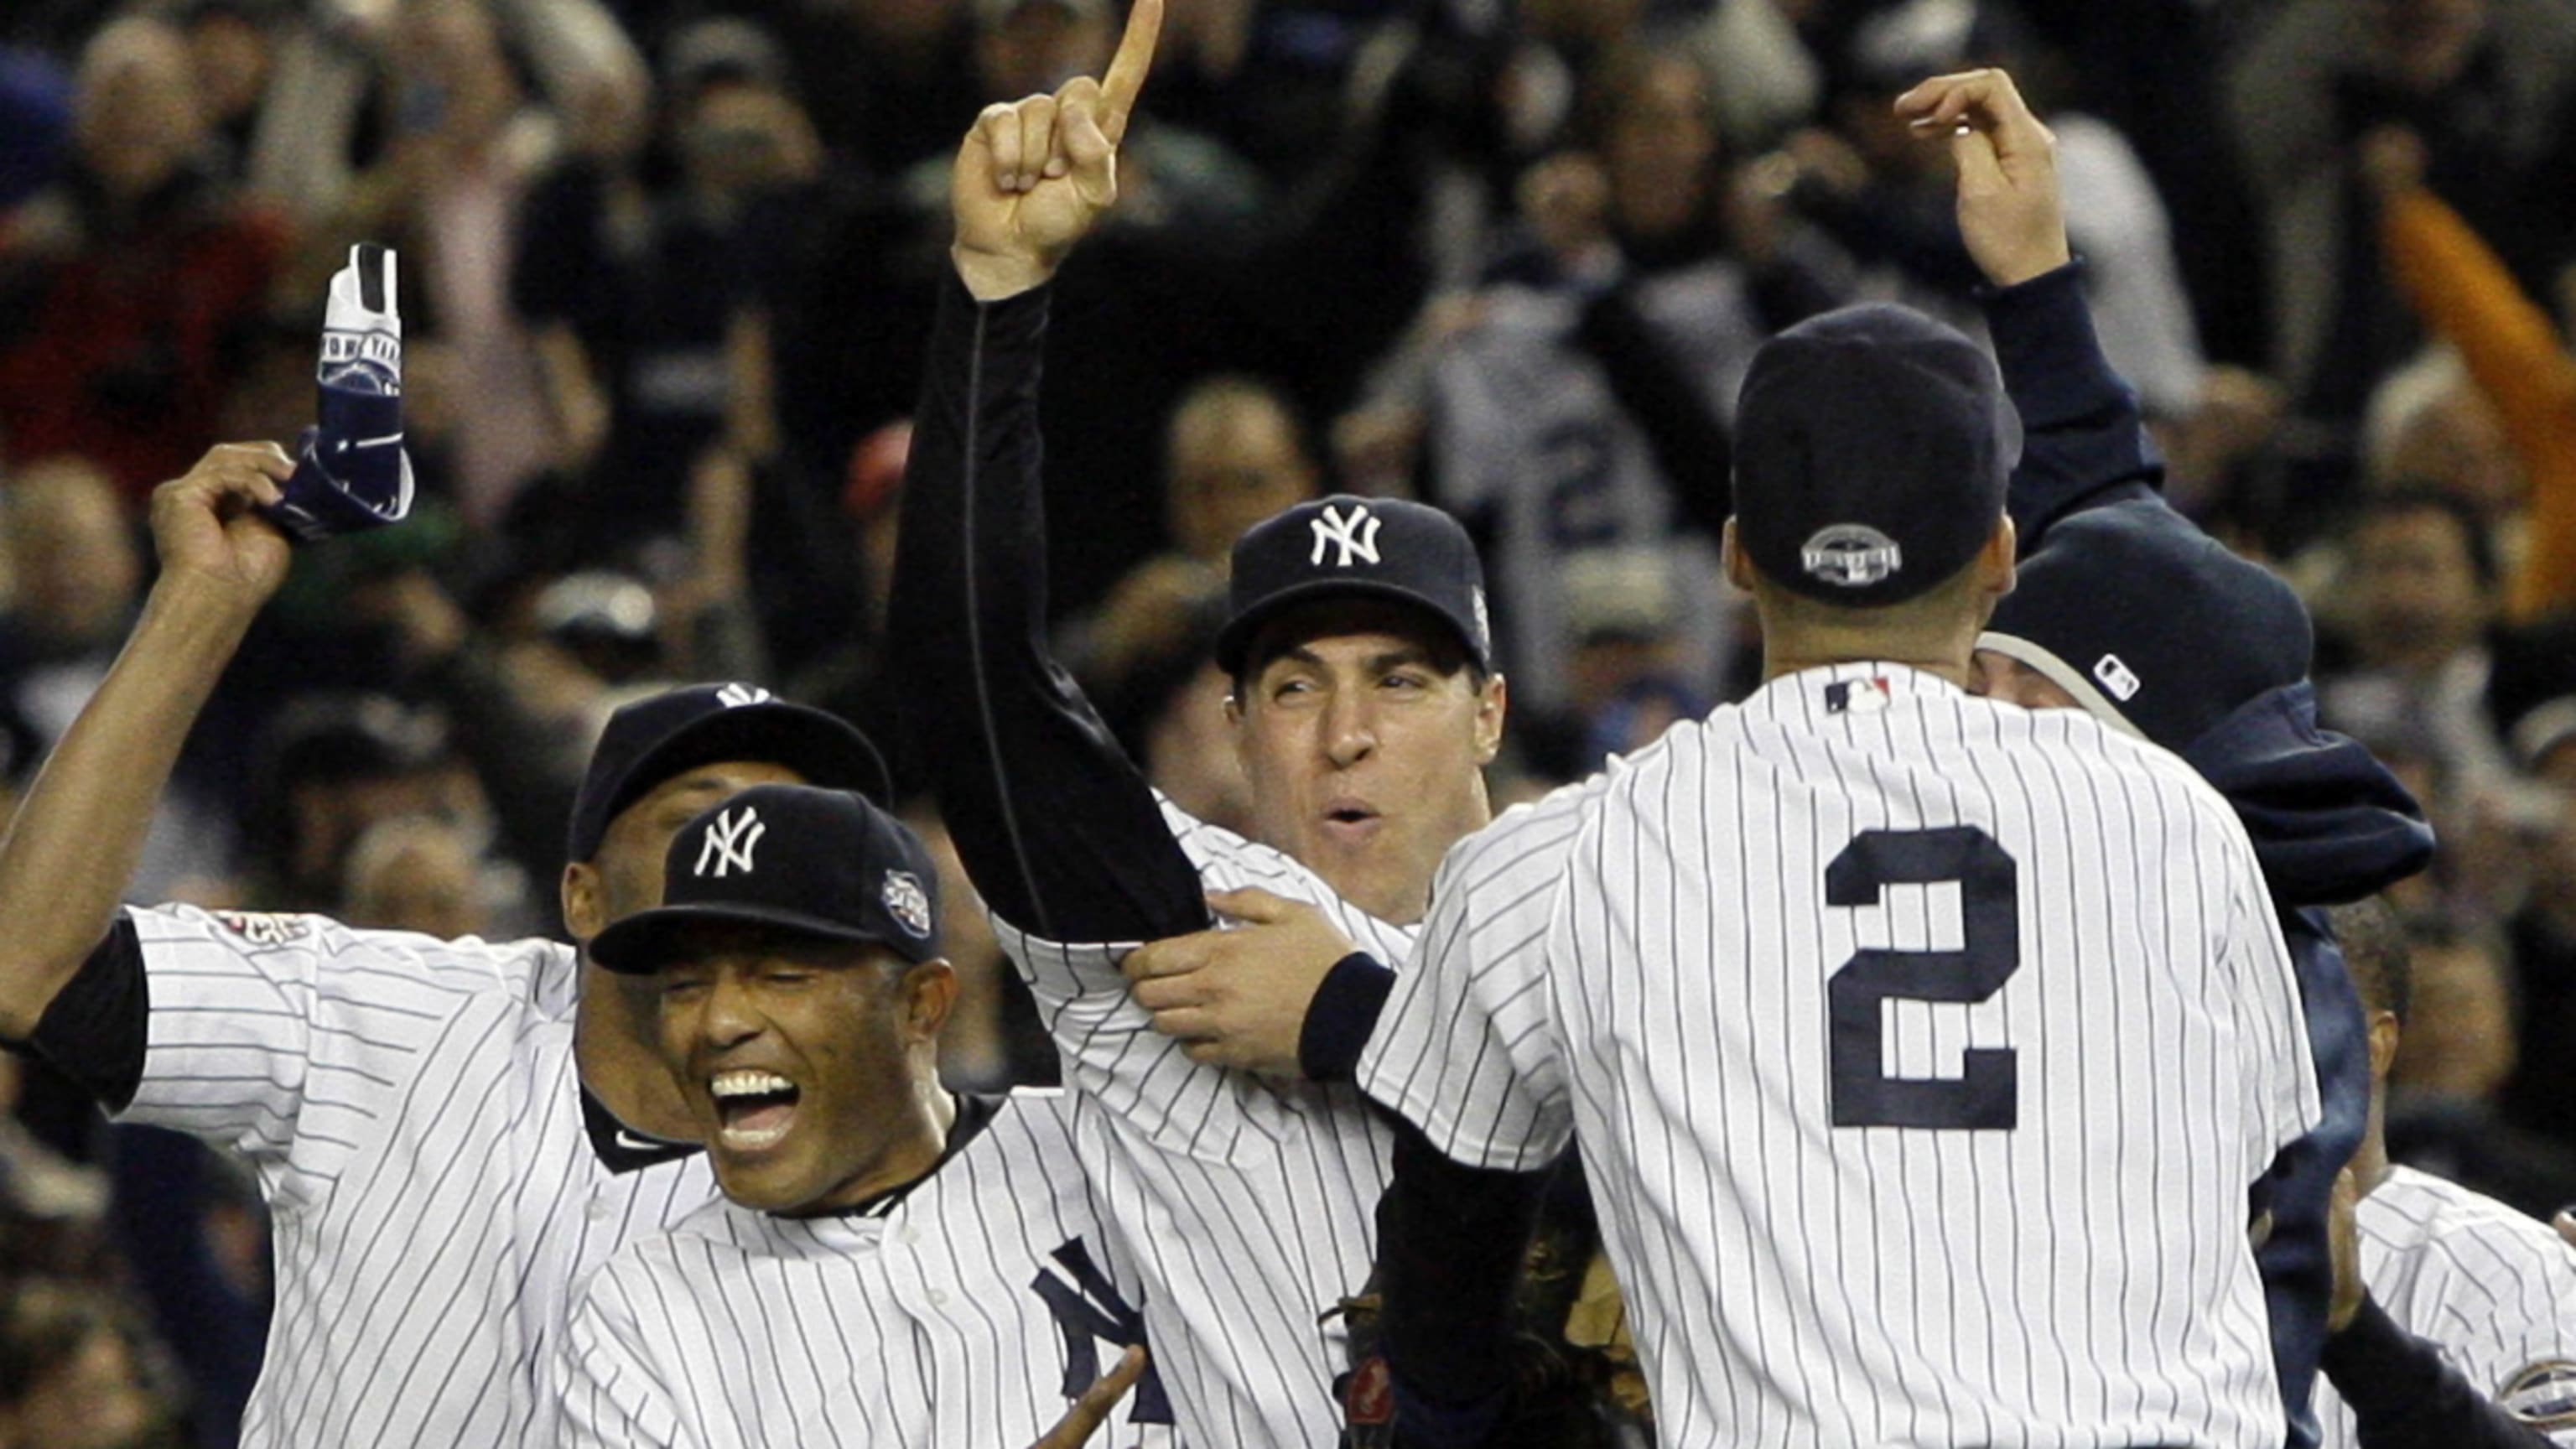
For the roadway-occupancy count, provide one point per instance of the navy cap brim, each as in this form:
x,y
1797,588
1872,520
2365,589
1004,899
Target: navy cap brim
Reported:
x,y
647,941
1234,641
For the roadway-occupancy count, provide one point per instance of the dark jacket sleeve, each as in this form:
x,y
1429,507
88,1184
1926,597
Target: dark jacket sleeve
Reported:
x,y
2403,1395
1450,1243
2084,439
1060,833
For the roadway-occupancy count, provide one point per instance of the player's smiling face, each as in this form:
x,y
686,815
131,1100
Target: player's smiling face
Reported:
x,y
1364,736
808,1065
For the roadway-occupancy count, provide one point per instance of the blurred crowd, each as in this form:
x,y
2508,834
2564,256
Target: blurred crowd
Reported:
x,y
667,267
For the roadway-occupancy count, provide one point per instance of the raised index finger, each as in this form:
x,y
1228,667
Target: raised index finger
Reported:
x,y
1127,69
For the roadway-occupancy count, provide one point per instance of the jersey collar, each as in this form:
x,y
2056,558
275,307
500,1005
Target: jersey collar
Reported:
x,y
1860,687
621,1148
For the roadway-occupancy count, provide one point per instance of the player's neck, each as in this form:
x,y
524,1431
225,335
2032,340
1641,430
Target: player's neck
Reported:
x,y
910,1157
1779,663
619,1067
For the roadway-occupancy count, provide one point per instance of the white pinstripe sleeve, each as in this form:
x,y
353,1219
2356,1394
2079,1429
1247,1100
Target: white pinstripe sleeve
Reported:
x,y
1467,1048
614,1395
270,1032
1083,977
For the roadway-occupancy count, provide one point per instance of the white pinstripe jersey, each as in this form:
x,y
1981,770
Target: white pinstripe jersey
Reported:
x,y
2494,1288
413,1112
1922,1050
923,1326
1239,1210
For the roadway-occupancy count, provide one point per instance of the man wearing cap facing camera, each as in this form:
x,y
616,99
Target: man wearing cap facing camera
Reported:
x,y
1364,710
894,1264
449,1133
1924,1051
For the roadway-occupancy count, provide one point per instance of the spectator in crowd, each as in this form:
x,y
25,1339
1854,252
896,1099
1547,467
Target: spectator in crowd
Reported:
x,y
2486,84
129,290
79,578
2466,294
72,1372
417,873
2458,1049
1233,455
654,346
2540,1095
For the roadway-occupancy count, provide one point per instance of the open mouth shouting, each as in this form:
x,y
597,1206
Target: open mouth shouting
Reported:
x,y
754,1108
1350,820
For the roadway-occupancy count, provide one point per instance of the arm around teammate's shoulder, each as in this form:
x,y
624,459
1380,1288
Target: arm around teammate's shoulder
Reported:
x,y
73,847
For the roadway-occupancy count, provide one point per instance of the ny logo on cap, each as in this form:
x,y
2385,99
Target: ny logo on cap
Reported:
x,y
907,902
1852,555
1355,536
727,843
734,696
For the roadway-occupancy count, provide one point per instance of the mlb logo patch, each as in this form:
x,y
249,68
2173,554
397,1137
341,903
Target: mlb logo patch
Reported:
x,y
1857,696
2117,677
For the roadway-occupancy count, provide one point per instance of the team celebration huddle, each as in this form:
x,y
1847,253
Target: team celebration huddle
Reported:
x,y
1978,1033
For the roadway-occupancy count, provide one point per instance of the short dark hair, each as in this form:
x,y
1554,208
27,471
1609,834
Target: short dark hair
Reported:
x,y
2378,950
1449,653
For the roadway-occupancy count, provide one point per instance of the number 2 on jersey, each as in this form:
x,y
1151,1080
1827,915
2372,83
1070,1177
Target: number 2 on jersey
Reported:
x,y
1984,1095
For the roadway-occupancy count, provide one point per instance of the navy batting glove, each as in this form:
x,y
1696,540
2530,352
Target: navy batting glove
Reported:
x,y
351,472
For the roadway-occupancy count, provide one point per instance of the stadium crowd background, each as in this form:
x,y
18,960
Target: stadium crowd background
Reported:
x,y
667,267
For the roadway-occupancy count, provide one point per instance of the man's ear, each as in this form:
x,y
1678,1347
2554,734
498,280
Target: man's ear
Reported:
x,y
1492,706
1730,555
585,910
1997,562
929,995
2384,1033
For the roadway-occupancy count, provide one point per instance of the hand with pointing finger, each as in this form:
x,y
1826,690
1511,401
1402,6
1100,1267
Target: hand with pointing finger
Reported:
x,y
1237,996
1034,176
2012,213
1092,1409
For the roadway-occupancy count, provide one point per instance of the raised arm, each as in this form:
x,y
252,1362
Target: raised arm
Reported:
x,y
1059,831
70,853
2084,439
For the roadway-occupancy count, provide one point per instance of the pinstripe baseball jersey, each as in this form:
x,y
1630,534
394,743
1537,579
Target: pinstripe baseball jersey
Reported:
x,y
1922,1050
1240,1209
413,1112
2494,1288
963,1313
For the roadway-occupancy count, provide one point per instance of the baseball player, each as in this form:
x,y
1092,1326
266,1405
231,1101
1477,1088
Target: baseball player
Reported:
x,y
2453,1322
1924,1050
892,1264
1365,708
2125,607
448,1133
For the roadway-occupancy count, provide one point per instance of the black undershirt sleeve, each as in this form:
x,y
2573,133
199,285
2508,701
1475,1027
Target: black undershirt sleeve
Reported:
x,y
2404,1396
95,1028
1057,828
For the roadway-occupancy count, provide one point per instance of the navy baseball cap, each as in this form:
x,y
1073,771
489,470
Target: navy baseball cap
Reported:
x,y
660,736
1872,446
817,863
1344,546
2153,626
